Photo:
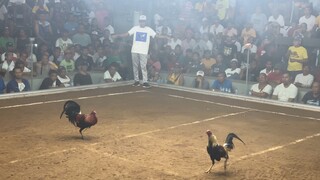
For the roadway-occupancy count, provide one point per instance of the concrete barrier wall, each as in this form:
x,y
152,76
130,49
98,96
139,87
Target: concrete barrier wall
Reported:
x,y
97,78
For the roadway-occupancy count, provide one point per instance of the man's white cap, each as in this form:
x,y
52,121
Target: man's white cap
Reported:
x,y
200,73
142,18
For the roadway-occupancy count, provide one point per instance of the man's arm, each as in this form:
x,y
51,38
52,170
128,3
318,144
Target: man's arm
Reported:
x,y
114,36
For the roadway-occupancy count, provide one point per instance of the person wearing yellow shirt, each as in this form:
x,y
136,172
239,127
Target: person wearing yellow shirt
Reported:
x,y
207,62
222,7
176,76
248,32
297,56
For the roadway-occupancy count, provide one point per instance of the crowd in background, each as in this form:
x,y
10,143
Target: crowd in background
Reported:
x,y
220,38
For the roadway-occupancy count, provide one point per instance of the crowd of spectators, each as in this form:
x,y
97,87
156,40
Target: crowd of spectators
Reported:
x,y
205,37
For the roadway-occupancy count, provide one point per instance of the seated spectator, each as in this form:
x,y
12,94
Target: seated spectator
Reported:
x,y
261,89
200,46
219,66
44,66
82,77
253,73
174,41
81,37
63,77
308,18
222,84
84,58
233,72
100,59
304,79
18,84
57,56
268,69
22,41
5,39
9,49
248,32
216,29
302,31
285,91
112,75
200,82
51,82
64,41
43,30
68,62
228,49
2,85
71,25
176,76
312,97
22,65
275,77
8,63
207,62
230,30
253,48
194,65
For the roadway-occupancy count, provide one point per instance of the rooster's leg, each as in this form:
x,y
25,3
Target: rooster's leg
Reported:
x,y
81,132
208,171
225,162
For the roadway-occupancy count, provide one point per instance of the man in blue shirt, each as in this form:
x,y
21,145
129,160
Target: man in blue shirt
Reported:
x,y
222,84
18,84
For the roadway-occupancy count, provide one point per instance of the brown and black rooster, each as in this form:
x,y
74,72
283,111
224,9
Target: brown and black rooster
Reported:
x,y
216,151
83,121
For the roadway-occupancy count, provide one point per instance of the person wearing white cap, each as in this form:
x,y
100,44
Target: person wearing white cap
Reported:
x,y
233,72
140,48
200,82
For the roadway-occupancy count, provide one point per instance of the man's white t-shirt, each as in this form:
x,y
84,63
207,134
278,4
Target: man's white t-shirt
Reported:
x,y
265,71
267,89
62,44
306,81
8,67
229,72
116,76
284,94
279,20
3,56
141,39
172,43
214,29
311,21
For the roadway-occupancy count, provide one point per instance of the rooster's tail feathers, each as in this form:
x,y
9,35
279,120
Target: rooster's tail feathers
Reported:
x,y
228,145
71,109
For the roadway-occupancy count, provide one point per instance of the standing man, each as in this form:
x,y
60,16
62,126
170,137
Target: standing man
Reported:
x,y
140,48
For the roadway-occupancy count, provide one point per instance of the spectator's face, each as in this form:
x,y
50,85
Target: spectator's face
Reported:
x,y
195,57
315,88
233,65
296,42
262,78
63,72
142,23
306,70
221,77
286,79
23,56
269,65
207,55
307,12
42,17
112,70
68,55
18,73
9,56
45,59
53,76
85,52
219,58
22,33
57,52
84,68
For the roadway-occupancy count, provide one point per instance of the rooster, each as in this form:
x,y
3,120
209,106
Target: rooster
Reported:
x,y
216,151
83,121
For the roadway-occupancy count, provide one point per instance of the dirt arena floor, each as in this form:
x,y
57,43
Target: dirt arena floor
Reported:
x,y
155,134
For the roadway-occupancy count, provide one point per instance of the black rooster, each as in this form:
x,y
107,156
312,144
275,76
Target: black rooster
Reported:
x,y
83,121
216,151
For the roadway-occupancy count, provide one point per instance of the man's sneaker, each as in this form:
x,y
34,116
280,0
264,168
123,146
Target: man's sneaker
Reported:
x,y
146,85
136,84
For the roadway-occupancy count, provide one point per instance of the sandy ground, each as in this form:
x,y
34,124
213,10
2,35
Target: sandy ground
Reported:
x,y
152,135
